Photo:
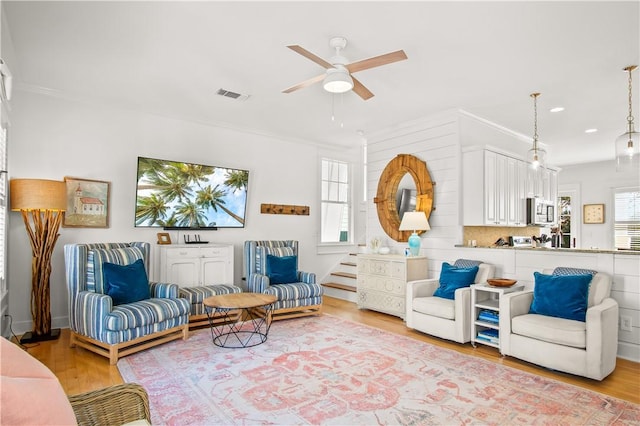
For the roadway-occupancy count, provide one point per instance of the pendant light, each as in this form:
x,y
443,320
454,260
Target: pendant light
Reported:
x,y
536,156
628,143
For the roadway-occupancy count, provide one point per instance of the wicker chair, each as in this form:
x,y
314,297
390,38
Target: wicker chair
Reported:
x,y
114,405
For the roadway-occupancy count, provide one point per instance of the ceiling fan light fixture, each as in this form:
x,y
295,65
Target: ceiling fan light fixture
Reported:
x,y
337,80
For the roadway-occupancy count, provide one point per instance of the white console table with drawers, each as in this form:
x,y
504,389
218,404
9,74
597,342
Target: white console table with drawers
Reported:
x,y
382,281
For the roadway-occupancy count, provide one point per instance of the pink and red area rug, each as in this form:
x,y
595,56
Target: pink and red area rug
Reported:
x,y
326,370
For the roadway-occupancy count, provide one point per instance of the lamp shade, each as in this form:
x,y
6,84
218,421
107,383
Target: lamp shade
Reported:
x,y
337,80
414,221
38,194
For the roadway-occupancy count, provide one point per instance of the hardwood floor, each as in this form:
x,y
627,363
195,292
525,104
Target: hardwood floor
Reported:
x,y
81,371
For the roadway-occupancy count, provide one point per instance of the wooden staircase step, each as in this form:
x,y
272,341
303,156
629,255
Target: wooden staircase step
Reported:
x,y
349,263
339,286
344,275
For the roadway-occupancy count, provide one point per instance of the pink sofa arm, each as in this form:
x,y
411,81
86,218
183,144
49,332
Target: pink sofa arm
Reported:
x,y
30,394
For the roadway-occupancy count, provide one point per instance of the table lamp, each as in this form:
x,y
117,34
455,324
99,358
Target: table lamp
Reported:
x,y
414,221
42,203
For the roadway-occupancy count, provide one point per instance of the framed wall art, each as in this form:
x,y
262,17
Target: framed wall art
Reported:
x,y
593,213
87,203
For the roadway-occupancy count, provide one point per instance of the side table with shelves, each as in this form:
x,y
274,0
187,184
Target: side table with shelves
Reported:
x,y
485,311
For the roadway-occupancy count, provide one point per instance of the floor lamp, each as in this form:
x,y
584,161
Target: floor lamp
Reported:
x,y
42,203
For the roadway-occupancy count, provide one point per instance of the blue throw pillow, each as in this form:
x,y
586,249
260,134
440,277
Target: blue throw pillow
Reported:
x,y
282,269
126,283
453,278
561,296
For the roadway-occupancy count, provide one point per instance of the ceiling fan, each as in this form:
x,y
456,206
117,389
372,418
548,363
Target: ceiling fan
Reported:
x,y
338,78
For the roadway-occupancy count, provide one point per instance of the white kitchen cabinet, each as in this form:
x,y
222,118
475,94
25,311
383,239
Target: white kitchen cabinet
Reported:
x,y
542,183
192,265
382,281
493,188
516,192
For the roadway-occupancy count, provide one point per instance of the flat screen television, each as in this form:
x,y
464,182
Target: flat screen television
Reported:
x,y
173,194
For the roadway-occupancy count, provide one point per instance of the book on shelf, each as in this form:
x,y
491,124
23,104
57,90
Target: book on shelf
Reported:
x,y
484,339
489,316
489,335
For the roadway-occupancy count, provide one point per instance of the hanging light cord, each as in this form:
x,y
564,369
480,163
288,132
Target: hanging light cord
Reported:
x,y
630,117
535,121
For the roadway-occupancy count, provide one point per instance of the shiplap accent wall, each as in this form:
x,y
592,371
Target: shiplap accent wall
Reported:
x,y
437,140
434,140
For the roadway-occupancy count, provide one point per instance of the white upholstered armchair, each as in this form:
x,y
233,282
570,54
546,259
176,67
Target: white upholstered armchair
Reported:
x,y
586,348
441,317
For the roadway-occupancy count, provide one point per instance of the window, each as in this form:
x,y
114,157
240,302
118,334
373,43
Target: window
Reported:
x,y
627,219
335,202
564,209
3,209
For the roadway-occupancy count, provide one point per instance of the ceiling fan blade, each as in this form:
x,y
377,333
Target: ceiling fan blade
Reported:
x,y
304,52
377,61
304,84
360,90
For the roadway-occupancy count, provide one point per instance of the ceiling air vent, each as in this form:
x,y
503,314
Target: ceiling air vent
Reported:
x,y
232,95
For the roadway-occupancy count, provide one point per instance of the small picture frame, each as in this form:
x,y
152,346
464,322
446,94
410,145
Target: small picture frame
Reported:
x,y
164,238
87,203
593,213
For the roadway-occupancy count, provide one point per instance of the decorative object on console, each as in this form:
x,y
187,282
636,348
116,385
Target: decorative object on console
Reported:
x,y
42,204
284,209
628,143
388,184
164,238
196,239
176,195
414,221
593,213
536,156
87,203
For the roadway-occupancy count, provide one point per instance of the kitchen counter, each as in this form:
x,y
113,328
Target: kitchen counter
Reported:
x,y
551,249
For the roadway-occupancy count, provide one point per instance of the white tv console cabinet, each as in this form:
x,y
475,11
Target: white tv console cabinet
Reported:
x,y
190,265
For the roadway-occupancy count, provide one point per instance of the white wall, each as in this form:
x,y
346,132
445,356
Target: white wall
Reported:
x,y
596,183
434,140
51,138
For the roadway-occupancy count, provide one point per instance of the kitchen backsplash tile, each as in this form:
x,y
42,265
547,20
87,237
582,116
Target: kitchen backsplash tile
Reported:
x,y
486,236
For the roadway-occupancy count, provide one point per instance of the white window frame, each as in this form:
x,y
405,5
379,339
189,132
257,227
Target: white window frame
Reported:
x,y
348,203
630,220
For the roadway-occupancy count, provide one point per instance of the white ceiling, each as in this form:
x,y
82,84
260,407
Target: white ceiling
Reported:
x,y
170,58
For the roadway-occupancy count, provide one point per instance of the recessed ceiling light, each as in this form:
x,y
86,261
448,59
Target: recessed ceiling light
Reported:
x,y
557,109
591,130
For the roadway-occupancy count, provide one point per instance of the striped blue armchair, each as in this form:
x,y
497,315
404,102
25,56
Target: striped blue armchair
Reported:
x,y
300,296
116,330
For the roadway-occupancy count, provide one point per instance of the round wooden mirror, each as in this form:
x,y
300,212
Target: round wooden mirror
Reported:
x,y
388,187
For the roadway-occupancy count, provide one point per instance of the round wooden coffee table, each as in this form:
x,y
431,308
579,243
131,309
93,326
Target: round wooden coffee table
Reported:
x,y
246,318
